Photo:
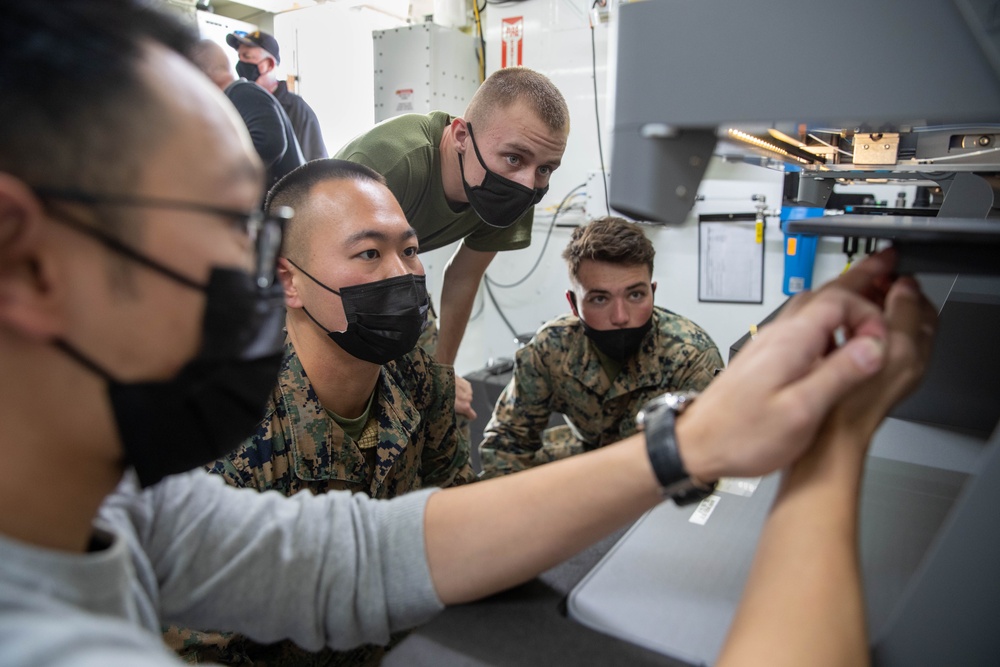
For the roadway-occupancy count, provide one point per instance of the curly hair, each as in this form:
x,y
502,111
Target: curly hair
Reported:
x,y
611,239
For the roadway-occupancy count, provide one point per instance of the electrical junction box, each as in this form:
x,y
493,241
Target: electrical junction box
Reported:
x,y
596,204
423,68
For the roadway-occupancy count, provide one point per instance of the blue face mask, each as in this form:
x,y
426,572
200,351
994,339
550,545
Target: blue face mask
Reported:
x,y
499,201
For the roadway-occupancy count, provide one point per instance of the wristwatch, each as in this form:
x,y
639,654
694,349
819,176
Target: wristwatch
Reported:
x,y
656,420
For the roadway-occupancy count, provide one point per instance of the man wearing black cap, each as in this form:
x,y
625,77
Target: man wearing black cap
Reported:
x,y
270,128
259,58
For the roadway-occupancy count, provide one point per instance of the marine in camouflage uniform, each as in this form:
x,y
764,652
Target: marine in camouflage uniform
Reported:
x,y
561,370
410,441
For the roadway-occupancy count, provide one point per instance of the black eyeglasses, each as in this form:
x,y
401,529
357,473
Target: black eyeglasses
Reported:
x,y
265,230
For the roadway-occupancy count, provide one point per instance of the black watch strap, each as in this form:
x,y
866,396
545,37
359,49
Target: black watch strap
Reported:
x,y
661,445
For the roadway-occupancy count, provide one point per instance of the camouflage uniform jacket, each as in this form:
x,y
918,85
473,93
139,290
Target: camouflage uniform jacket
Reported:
x,y
299,446
560,371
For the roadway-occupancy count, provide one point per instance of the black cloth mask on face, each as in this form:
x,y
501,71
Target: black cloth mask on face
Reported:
x,y
499,201
216,400
617,344
248,71
384,317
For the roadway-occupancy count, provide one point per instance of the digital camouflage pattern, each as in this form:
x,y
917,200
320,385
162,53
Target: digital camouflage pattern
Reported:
x,y
298,446
560,371
428,340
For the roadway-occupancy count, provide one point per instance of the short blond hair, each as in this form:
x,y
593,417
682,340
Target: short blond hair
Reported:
x,y
514,84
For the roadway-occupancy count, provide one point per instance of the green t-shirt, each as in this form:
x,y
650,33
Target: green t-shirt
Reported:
x,y
405,150
354,427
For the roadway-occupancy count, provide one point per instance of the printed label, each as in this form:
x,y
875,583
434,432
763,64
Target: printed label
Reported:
x,y
739,486
403,101
704,510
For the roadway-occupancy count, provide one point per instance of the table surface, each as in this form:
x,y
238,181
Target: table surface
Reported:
x,y
523,626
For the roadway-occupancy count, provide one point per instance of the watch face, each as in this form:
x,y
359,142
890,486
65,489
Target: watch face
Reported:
x,y
670,400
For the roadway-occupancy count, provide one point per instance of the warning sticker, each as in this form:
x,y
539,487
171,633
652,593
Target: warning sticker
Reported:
x,y
403,100
512,38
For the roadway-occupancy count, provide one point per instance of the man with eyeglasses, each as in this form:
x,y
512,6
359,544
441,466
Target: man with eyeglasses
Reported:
x,y
140,334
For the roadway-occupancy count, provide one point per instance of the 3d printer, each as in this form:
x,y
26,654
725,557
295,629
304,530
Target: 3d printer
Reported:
x,y
846,92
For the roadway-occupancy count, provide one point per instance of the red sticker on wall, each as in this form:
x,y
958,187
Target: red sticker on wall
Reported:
x,y
512,34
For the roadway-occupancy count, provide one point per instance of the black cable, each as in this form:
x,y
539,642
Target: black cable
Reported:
x,y
489,281
548,235
497,306
597,113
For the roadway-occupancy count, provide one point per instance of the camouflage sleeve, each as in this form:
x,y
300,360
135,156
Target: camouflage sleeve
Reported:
x,y
513,437
699,370
445,460
231,472
252,464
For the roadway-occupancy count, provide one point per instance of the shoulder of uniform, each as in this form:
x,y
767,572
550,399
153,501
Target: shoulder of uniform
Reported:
x,y
416,367
680,327
563,325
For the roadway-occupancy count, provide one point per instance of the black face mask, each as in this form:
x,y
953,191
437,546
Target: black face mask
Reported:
x,y
617,344
216,399
499,201
248,71
384,318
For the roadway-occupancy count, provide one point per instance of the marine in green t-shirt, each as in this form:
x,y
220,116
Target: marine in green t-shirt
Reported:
x,y
473,179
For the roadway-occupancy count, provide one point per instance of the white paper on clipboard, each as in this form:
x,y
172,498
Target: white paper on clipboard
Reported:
x,y
730,260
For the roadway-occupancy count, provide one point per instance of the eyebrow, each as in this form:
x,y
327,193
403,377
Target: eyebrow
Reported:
x,y
375,235
522,148
627,289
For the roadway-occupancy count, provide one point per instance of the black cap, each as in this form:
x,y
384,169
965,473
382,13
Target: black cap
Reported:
x,y
255,38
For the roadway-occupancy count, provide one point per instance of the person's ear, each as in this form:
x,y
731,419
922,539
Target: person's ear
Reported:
x,y
571,297
29,301
459,133
286,276
654,287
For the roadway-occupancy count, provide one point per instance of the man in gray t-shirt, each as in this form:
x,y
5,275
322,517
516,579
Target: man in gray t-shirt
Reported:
x,y
140,335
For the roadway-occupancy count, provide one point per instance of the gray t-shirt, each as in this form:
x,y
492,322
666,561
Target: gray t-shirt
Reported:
x,y
332,570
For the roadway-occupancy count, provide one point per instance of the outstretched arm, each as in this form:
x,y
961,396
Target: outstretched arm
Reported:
x,y
804,591
786,383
